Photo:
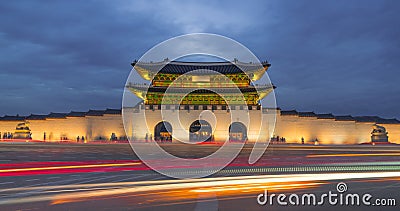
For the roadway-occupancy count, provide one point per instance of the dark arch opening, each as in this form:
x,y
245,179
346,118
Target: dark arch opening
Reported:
x,y
200,131
237,132
163,131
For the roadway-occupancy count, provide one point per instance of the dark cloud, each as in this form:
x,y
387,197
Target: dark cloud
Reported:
x,y
327,56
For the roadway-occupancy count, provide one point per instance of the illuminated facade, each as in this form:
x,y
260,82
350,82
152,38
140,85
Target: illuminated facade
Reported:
x,y
206,114
205,94
179,76
96,125
88,126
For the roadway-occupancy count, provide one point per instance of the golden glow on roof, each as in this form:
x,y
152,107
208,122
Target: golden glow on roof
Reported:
x,y
146,73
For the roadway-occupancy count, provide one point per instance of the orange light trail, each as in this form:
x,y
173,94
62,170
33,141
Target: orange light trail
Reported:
x,y
353,155
179,191
70,167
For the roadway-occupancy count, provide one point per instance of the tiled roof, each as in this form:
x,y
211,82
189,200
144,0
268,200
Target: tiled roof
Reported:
x,y
175,67
215,89
366,118
344,118
181,69
376,119
112,111
56,115
307,114
102,112
53,115
325,116
12,118
36,117
388,121
373,119
95,113
76,114
291,113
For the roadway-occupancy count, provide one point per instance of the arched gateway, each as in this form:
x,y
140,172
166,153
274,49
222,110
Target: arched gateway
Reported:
x,y
163,131
200,131
237,132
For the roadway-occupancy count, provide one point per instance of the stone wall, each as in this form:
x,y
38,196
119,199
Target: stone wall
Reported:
x,y
144,122
90,127
329,131
291,127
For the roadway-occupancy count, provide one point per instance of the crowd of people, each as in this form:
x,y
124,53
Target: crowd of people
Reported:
x,y
278,140
158,139
282,140
6,135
